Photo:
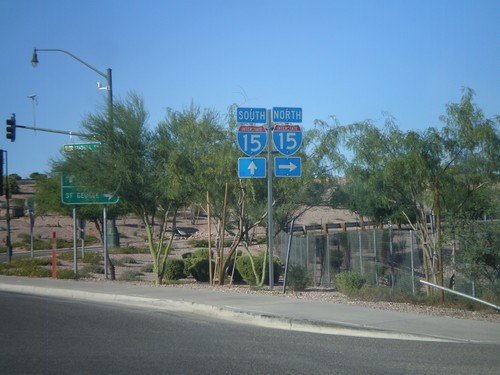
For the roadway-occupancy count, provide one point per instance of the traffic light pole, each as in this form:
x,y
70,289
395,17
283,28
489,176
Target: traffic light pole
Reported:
x,y
53,131
8,242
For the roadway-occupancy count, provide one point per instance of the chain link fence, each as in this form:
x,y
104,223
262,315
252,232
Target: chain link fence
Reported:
x,y
385,257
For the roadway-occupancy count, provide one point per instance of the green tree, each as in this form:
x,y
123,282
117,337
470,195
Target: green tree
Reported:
x,y
135,164
419,173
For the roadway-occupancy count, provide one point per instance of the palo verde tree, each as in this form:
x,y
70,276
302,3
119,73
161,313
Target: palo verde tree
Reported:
x,y
134,163
421,173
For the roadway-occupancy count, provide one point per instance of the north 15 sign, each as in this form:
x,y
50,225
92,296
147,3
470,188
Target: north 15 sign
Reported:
x,y
287,138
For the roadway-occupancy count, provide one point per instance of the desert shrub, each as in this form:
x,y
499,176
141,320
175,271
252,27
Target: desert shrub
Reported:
x,y
261,240
66,274
349,283
61,243
198,243
129,250
5,269
237,278
92,268
192,258
36,267
298,278
148,267
92,258
128,260
376,293
38,243
30,268
67,256
31,262
90,240
201,253
130,275
174,269
44,261
244,266
199,269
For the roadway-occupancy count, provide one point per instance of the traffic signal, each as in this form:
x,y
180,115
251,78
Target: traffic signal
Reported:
x,y
11,128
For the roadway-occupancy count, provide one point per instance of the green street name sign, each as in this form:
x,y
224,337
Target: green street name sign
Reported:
x,y
73,194
89,146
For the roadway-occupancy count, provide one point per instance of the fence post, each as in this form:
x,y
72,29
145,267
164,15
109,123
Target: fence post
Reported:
x,y
289,247
390,250
348,251
375,254
412,267
327,261
360,254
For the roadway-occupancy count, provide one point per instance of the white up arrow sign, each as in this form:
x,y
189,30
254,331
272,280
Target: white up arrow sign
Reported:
x,y
252,167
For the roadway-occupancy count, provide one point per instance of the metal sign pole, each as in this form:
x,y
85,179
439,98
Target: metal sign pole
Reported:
x,y
8,242
270,199
288,254
105,241
75,255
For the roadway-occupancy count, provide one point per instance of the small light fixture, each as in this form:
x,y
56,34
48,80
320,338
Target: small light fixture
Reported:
x,y
34,59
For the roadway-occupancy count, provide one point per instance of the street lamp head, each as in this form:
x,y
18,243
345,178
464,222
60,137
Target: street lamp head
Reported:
x,y
34,59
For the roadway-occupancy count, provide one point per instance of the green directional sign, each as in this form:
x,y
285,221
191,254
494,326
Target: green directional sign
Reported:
x,y
71,192
87,146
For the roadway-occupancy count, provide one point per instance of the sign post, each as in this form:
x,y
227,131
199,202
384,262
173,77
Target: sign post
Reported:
x,y
72,193
282,128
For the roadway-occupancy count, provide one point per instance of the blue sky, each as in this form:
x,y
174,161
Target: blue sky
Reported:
x,y
354,60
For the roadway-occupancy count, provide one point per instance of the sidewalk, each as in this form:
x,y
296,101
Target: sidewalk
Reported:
x,y
267,311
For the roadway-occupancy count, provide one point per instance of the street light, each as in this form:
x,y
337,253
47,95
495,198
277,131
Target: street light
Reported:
x,y
107,75
109,88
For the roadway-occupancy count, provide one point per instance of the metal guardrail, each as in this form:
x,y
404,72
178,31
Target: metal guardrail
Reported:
x,y
461,294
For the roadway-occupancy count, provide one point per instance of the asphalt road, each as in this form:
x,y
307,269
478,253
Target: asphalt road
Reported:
x,y
41,335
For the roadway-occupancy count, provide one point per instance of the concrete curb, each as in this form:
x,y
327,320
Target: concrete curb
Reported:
x,y
226,313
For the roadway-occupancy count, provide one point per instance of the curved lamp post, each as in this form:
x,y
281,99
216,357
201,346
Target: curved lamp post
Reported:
x,y
109,88
107,75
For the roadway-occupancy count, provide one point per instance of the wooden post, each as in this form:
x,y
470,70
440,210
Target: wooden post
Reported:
x,y
325,229
209,244
223,231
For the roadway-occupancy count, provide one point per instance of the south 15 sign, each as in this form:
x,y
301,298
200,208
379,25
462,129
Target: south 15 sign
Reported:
x,y
252,136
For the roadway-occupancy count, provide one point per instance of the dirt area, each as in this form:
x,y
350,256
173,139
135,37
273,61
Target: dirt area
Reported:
x,y
132,233
131,230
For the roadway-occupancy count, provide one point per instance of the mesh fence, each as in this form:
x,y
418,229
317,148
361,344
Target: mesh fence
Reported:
x,y
387,257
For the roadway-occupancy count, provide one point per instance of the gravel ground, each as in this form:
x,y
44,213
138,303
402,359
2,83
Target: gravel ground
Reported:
x,y
132,233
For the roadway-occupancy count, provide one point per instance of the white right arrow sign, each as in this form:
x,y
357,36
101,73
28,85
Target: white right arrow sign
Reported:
x,y
289,166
